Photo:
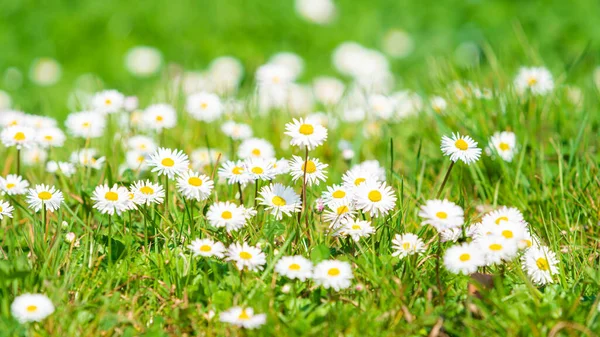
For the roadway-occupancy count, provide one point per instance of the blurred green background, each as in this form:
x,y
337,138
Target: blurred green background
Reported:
x,y
93,36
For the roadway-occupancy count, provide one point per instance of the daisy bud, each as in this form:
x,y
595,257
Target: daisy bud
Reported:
x,y
359,287
64,224
319,206
348,154
70,237
286,289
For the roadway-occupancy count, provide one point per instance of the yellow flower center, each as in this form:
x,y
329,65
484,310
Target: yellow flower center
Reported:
x,y
168,162
294,266
195,181
342,209
507,234
245,255
203,105
257,170
1,209
532,81
256,152
502,218
442,215
31,308
237,170
542,263
338,194
48,137
147,190
10,185
306,129
244,315
406,246
495,247
355,227
309,167
464,257
375,196
504,147
111,196
159,118
19,136
461,145
45,195
333,272
278,201
359,181
107,101
205,248
86,124
226,215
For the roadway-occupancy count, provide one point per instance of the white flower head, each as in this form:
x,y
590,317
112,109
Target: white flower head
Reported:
x,y
279,200
169,162
228,215
207,248
111,200
86,124
194,185
13,185
294,267
108,101
31,307
376,198
540,264
333,274
234,172
442,214
21,137
158,117
407,244
6,210
256,148
306,133
464,258
503,144
204,106
147,193
313,170
462,148
243,317
42,195
356,228
246,256
534,80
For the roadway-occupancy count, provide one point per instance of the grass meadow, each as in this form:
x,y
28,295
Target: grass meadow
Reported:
x,y
492,106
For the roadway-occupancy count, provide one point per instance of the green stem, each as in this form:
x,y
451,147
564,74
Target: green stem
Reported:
x,y
445,180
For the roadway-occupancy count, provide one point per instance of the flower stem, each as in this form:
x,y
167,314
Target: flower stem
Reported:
x,y
240,191
437,196
304,188
18,162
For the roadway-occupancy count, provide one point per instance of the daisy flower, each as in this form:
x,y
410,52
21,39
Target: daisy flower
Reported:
x,y
372,167
6,209
246,256
168,162
337,194
50,137
279,200
243,318
86,124
507,229
294,267
259,169
504,144
333,274
234,172
207,248
194,185
108,101
12,118
381,106
159,116
65,168
441,214
497,249
136,161
438,104
31,308
462,148
257,148
315,170
504,213
13,185
204,106
375,198
280,166
202,157
352,179
88,158
535,80
338,212
141,144
226,214
451,234
44,195
236,131
356,228
306,133
22,137
34,155
407,244
147,193
540,264
111,200
464,258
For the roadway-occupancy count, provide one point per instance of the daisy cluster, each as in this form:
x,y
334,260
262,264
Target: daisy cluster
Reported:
x,y
352,207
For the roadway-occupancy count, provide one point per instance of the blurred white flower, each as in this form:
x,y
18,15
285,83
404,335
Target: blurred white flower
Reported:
x,y
317,11
143,61
45,71
398,43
